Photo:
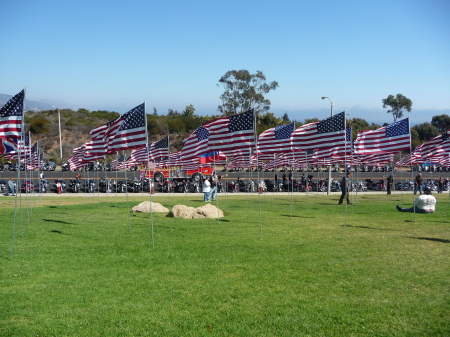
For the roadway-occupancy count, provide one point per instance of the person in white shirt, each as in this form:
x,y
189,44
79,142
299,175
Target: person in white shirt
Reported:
x,y
424,203
206,190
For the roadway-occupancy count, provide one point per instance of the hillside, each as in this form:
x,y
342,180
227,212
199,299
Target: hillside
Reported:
x,y
75,128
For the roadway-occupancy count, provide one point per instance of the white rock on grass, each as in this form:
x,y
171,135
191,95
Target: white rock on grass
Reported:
x,y
206,211
146,206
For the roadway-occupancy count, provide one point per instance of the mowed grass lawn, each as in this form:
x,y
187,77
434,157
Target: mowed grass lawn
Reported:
x,y
274,266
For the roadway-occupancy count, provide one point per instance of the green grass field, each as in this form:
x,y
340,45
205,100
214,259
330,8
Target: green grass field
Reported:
x,y
274,266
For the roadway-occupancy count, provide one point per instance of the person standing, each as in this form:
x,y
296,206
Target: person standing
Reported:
x,y
214,182
390,180
276,182
11,188
440,185
206,190
418,184
345,187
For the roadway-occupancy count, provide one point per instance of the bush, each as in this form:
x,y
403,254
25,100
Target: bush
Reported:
x,y
39,125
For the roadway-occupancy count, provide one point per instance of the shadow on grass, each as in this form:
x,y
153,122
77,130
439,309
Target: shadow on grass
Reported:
x,y
296,216
377,228
58,221
430,239
56,231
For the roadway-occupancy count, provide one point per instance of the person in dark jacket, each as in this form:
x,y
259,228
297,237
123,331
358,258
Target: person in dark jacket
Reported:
x,y
345,187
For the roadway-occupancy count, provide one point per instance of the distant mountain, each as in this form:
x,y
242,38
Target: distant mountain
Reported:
x,y
29,105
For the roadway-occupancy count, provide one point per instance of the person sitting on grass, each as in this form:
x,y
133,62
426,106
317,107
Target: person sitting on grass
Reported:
x,y
424,203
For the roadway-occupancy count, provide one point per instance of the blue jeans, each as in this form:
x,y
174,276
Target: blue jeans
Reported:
x,y
418,188
213,193
10,190
206,196
418,210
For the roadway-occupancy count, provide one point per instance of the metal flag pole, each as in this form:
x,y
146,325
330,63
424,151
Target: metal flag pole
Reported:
x,y
150,181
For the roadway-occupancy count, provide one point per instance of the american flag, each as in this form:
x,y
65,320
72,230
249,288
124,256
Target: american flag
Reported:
x,y
96,147
327,133
275,140
11,117
119,163
131,133
436,146
195,144
338,153
392,138
100,131
159,149
138,156
233,135
379,158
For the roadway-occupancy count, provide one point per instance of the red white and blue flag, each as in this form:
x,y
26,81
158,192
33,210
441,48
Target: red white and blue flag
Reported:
x,y
128,131
437,146
8,146
233,135
11,117
159,149
392,138
212,157
325,134
275,140
195,144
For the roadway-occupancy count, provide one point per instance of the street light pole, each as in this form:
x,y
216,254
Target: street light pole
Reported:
x,y
329,167
332,104
59,124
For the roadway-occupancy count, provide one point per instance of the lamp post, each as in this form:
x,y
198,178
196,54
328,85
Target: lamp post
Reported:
x,y
332,104
329,167
59,124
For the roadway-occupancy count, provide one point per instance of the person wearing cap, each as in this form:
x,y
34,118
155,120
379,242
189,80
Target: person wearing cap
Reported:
x,y
424,203
345,185
206,190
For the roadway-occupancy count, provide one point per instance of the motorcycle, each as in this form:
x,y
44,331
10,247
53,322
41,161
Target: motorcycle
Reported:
x,y
62,185
133,185
27,186
3,184
43,186
75,185
89,186
104,185
65,167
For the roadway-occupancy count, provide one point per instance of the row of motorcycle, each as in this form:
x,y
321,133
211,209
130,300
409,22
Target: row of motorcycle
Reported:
x,y
252,186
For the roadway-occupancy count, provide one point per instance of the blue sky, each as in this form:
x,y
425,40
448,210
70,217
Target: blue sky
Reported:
x,y
113,55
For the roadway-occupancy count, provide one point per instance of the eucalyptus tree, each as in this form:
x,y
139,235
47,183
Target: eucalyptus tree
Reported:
x,y
245,91
397,105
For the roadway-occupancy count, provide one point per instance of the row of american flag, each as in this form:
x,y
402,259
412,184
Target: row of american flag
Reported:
x,y
233,137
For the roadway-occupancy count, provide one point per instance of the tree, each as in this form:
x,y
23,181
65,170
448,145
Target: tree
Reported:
x,y
172,113
39,125
311,120
442,122
155,112
189,111
285,118
397,105
267,121
426,131
244,91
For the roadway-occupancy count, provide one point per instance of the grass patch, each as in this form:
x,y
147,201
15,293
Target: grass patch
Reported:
x,y
296,266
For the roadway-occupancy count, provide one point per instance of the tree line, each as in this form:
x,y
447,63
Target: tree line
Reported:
x,y
242,91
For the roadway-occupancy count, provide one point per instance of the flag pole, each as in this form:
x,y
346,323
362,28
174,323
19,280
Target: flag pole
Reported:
x,y
150,181
17,182
259,195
